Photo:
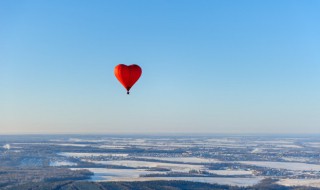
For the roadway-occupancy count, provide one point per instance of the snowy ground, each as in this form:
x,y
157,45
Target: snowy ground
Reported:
x,y
184,159
231,172
285,165
81,155
213,180
137,164
300,182
103,174
197,154
62,163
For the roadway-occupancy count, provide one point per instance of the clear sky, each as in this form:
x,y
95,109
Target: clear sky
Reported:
x,y
208,66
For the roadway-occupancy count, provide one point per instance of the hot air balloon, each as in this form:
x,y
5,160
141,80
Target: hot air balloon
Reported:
x,y
127,75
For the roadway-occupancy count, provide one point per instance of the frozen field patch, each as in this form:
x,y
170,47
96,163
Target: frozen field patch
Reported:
x,y
284,165
140,164
62,163
81,155
231,172
300,182
184,159
104,174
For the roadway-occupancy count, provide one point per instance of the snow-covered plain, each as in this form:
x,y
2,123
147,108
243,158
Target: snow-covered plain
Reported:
x,y
81,155
140,164
231,172
72,144
186,154
62,163
285,165
314,144
300,182
55,144
112,147
213,180
296,159
104,174
6,146
183,159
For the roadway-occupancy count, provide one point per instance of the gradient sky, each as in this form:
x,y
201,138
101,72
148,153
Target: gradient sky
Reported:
x,y
208,66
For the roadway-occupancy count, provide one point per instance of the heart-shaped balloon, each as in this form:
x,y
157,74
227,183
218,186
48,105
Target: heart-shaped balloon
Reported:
x,y
127,75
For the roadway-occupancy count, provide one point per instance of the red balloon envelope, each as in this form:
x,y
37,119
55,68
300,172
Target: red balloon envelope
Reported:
x,y
127,75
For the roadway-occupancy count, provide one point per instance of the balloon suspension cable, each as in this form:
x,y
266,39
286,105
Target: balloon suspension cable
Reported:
x,y
128,92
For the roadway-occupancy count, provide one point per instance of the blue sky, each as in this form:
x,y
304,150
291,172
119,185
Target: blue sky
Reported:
x,y
208,66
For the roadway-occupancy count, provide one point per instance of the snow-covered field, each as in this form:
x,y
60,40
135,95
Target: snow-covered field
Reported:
x,y
213,180
314,144
103,174
288,146
296,159
231,172
62,163
57,144
285,165
69,144
81,155
285,141
104,146
183,159
140,164
219,156
6,146
222,180
300,182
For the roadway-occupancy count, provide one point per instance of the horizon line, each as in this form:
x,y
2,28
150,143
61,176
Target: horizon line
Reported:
x,y
160,134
